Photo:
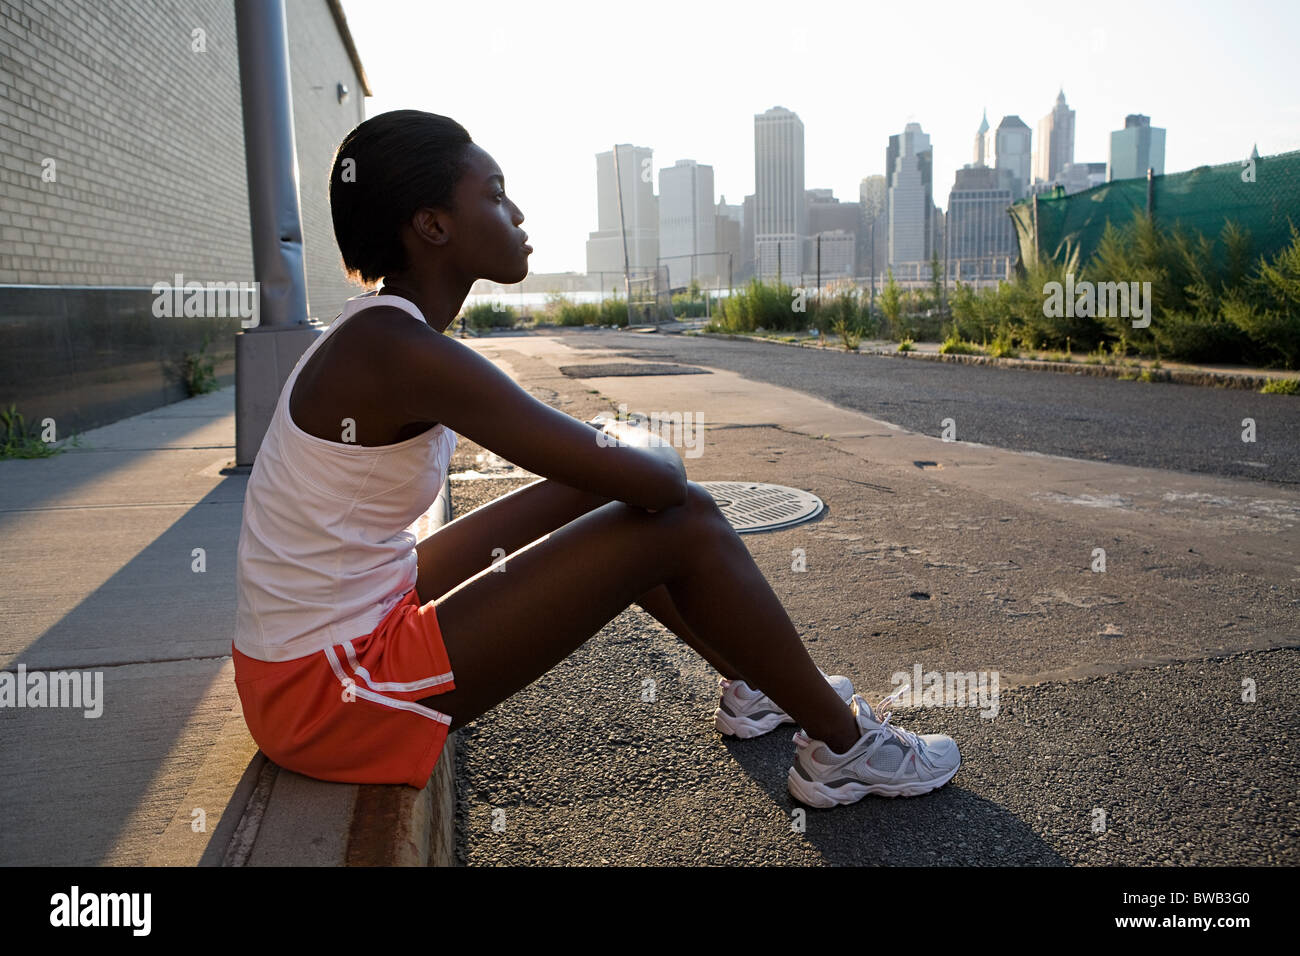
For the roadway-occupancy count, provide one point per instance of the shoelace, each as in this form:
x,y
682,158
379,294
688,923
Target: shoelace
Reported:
x,y
906,736
727,685
801,739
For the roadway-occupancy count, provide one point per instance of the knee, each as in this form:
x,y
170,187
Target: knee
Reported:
x,y
699,503
698,508
698,495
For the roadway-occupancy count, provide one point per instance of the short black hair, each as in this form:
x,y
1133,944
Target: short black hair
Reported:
x,y
384,170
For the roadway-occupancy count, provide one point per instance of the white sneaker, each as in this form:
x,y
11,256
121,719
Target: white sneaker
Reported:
x,y
745,712
886,760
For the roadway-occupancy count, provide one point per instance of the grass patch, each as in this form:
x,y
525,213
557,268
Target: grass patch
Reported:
x,y
1282,386
20,440
848,334
198,369
954,344
1002,345
906,345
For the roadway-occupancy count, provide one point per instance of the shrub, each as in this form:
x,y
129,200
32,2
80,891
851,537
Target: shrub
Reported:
x,y
489,315
1282,386
1003,344
954,344
198,369
20,440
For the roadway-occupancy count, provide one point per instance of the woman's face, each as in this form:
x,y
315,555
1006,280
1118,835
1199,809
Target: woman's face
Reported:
x,y
491,244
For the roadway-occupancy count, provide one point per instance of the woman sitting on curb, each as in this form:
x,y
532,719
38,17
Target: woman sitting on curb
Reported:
x,y
358,648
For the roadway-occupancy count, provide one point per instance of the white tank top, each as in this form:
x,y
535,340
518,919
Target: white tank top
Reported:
x,y
326,548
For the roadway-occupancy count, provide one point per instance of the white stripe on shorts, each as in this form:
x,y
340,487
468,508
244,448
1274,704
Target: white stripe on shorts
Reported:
x,y
380,698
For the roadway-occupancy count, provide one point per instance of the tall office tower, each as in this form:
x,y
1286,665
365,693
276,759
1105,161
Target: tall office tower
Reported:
x,y
781,220
980,135
1135,148
686,226
1008,147
640,212
981,238
1055,142
873,243
908,176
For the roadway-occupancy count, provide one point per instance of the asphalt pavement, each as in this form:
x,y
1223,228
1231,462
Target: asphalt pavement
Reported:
x,y
1122,735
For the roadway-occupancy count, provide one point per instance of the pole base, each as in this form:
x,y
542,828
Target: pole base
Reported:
x,y
264,359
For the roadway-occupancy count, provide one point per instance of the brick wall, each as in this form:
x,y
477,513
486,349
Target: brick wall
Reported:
x,y
146,139
144,136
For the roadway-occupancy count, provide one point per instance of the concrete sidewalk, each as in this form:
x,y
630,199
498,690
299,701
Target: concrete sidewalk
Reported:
x,y
119,555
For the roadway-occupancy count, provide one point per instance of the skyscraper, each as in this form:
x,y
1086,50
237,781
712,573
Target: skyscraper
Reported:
x,y
980,134
1008,147
781,216
1055,142
981,238
908,176
1135,148
686,226
640,212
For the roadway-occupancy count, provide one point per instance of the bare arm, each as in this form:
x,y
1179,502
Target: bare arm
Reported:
x,y
439,379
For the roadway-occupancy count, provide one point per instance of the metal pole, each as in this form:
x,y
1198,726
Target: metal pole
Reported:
x,y
871,304
267,353
1151,191
943,293
622,228
1035,201
819,265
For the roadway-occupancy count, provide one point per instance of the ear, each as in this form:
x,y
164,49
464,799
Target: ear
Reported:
x,y
432,226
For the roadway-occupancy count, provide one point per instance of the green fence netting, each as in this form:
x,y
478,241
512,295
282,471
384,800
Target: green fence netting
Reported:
x,y
1264,199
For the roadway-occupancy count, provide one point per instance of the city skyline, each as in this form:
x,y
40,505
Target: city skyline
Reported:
x,y
705,113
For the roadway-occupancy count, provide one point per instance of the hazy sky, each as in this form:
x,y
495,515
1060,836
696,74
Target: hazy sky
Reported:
x,y
544,85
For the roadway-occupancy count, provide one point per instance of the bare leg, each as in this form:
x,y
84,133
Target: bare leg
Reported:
x,y
464,547
505,629
659,603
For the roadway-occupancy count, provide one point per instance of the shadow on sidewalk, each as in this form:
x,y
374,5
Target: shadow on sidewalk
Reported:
x,y
101,790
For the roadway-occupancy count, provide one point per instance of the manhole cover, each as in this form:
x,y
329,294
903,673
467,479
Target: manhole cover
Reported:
x,y
628,368
751,506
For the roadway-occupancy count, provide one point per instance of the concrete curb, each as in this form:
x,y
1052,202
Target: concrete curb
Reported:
x,y
1182,376
281,818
